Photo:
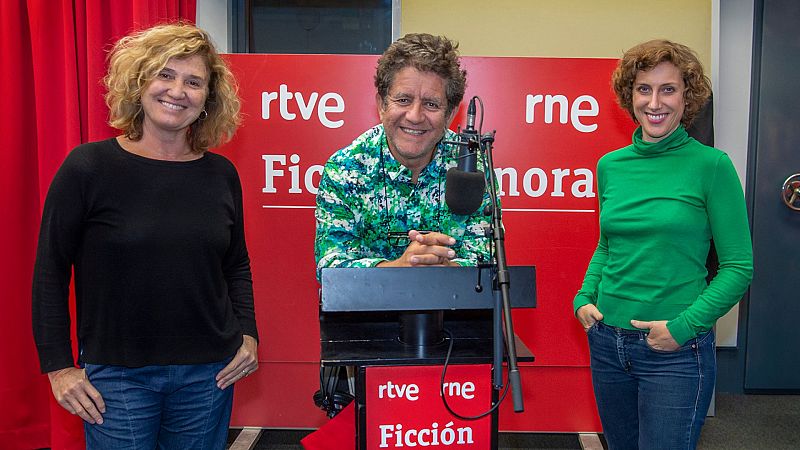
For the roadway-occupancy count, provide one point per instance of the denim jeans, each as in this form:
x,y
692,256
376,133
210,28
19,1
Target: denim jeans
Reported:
x,y
650,399
165,407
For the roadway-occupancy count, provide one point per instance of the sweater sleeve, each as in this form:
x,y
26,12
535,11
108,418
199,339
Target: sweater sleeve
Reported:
x,y
730,231
594,273
591,281
236,269
59,238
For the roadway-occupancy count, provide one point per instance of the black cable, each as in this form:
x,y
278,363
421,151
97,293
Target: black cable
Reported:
x,y
328,398
441,386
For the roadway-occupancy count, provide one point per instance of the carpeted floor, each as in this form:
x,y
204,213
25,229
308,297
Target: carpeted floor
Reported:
x,y
753,422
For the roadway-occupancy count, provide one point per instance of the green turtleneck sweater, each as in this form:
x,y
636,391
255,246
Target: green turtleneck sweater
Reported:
x,y
660,205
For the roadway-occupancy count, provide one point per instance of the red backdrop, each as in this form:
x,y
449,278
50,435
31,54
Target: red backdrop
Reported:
x,y
550,216
53,54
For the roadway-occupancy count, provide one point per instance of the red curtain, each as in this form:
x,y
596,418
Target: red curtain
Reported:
x,y
53,56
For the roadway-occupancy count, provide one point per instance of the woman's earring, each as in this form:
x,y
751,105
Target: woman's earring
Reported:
x,y
203,115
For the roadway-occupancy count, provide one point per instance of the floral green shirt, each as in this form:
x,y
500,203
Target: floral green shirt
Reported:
x,y
366,198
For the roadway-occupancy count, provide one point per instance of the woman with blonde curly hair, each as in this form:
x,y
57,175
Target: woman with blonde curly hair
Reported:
x,y
151,224
645,304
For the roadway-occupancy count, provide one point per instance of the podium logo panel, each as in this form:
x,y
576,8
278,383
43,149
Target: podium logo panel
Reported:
x,y
405,408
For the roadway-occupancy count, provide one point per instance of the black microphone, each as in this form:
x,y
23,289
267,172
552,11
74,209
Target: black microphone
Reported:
x,y
471,115
465,186
467,157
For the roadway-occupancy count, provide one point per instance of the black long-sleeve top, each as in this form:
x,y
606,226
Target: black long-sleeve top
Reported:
x,y
161,269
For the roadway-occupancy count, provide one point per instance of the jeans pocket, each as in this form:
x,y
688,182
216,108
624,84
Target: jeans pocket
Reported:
x,y
663,352
689,345
91,369
707,338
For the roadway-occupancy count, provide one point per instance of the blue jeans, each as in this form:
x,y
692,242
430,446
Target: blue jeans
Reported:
x,y
165,407
650,399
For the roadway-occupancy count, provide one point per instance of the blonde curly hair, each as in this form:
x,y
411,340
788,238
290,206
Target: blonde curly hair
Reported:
x,y
136,59
649,54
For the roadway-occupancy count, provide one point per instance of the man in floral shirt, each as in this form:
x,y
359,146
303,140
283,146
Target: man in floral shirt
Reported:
x,y
381,199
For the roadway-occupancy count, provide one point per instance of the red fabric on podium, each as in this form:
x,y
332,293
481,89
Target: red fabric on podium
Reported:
x,y
53,54
337,434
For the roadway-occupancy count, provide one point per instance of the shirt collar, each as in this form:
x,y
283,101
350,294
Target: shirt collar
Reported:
x,y
398,172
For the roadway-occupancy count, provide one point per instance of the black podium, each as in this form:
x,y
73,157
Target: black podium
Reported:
x,y
364,315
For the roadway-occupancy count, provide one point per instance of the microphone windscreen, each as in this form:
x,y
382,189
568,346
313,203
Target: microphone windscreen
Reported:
x,y
464,191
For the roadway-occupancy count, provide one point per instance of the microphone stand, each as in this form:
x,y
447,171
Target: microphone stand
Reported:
x,y
501,287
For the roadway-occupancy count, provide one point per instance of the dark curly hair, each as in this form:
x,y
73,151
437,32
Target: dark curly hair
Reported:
x,y
649,54
426,53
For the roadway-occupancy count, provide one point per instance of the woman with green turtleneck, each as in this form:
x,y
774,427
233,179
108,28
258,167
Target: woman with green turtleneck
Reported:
x,y
645,303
